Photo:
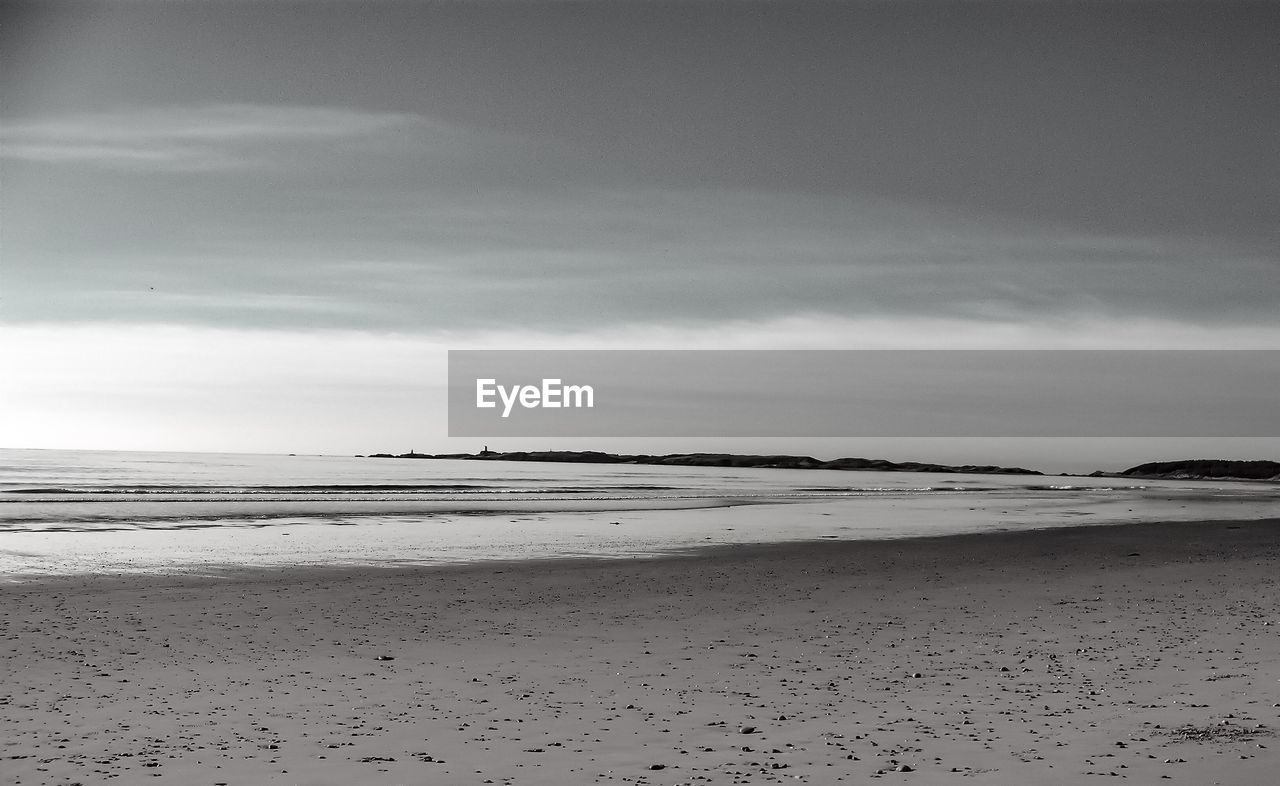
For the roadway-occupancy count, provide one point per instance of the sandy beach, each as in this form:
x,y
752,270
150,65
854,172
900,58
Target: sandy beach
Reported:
x,y
1138,652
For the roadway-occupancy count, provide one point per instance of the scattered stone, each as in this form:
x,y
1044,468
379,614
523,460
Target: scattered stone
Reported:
x,y
1218,732
746,729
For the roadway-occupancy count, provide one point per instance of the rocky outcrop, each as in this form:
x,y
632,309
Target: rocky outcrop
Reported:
x,y
719,460
1202,469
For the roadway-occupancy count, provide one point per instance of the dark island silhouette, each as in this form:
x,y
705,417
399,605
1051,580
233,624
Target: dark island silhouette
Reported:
x,y
1201,469
714,460
1189,469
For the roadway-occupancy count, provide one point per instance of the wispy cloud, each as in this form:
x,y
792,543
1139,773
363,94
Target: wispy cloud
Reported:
x,y
200,138
429,252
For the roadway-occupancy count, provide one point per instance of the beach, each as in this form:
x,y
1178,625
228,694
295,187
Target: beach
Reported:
x,y
1142,652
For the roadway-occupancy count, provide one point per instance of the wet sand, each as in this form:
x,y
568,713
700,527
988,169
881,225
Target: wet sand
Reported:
x,y
1136,652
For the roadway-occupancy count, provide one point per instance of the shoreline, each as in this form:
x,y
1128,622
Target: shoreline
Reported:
x,y
825,547
431,539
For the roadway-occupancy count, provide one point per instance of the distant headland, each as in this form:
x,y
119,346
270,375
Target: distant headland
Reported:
x,y
1191,469
1201,469
714,460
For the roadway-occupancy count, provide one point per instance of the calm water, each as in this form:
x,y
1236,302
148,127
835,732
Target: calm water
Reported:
x,y
69,512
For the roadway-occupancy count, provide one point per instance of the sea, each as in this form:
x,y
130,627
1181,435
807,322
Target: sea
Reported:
x,y
71,513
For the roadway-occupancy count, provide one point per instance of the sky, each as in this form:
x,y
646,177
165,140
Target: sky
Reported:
x,y
260,226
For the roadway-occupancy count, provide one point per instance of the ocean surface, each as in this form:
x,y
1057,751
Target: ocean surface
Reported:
x,y
77,512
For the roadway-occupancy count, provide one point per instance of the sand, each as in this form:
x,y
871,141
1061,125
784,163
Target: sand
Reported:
x,y
1135,652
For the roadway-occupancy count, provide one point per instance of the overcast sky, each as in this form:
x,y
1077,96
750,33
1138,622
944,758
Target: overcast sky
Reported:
x,y
183,183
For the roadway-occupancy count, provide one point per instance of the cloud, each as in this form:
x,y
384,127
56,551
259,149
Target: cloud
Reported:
x,y
331,252
345,218
200,138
